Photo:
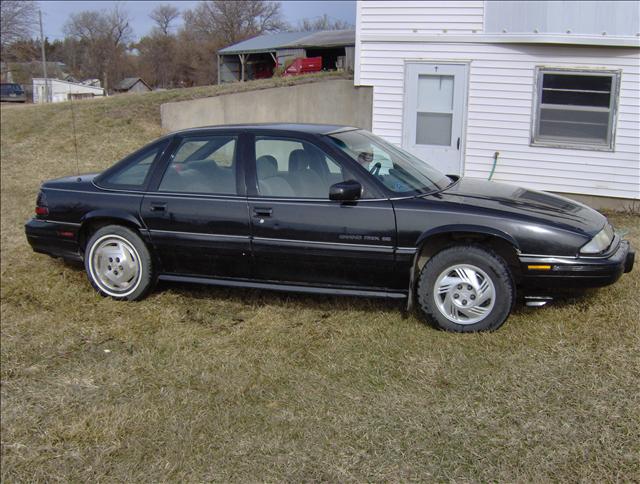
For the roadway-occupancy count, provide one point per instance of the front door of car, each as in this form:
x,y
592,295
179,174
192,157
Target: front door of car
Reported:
x,y
299,235
196,211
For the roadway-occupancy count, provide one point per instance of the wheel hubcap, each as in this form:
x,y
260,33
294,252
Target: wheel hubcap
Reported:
x,y
115,264
464,294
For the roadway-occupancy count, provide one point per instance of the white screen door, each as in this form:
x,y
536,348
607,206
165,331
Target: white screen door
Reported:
x,y
433,114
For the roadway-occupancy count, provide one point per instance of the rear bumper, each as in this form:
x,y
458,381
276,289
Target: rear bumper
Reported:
x,y
576,272
16,99
57,239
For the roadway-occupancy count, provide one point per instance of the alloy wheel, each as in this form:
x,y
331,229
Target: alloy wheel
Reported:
x,y
464,294
115,265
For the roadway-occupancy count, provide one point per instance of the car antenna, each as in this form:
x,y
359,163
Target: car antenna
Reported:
x,y
75,138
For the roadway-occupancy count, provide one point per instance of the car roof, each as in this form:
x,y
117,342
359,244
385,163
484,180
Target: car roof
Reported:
x,y
299,127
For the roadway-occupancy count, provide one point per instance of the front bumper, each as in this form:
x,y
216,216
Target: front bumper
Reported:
x,y
57,239
543,272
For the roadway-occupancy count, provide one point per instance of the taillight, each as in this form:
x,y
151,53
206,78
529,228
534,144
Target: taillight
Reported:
x,y
41,205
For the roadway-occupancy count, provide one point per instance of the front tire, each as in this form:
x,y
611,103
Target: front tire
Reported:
x,y
466,289
118,263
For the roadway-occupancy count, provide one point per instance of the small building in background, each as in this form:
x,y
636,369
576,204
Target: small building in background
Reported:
x,y
132,84
59,90
258,58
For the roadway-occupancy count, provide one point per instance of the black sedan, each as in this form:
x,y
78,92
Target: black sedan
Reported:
x,y
326,210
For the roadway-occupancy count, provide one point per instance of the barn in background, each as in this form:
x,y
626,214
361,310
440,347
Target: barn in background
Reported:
x,y
257,58
131,85
542,94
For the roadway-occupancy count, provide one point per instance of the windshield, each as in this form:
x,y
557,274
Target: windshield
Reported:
x,y
398,170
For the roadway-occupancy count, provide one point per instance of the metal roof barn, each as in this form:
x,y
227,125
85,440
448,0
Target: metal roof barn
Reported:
x,y
258,57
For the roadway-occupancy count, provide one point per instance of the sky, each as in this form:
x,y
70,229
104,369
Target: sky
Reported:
x,y
56,13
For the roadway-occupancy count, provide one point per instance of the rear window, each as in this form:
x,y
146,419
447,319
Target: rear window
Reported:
x,y
11,89
133,172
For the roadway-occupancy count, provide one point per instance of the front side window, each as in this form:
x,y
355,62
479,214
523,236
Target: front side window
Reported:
x,y
575,109
134,172
294,169
398,170
202,164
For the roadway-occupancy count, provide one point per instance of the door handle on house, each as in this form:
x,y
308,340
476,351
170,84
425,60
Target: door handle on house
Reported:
x,y
262,211
458,144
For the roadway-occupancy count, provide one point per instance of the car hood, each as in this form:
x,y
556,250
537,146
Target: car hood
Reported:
x,y
529,205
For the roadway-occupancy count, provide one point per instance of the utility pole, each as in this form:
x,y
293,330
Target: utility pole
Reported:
x,y
44,61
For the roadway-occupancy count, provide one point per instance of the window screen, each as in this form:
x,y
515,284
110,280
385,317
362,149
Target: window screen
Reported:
x,y
575,109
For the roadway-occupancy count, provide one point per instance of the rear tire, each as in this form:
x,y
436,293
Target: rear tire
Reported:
x,y
466,289
119,264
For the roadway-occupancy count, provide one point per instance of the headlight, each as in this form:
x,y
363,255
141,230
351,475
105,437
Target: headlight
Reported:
x,y
600,241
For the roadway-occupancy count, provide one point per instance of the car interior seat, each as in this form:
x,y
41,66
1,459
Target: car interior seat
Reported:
x,y
270,183
306,182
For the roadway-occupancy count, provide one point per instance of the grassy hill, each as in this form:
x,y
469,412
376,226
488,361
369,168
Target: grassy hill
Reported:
x,y
199,384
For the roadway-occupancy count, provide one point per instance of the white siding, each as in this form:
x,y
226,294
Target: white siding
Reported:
x,y
402,17
578,17
500,96
61,89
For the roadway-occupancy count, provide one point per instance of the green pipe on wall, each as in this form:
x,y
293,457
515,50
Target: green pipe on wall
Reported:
x,y
495,162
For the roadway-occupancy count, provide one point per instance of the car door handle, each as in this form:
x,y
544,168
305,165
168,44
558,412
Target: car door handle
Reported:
x,y
158,207
262,211
458,144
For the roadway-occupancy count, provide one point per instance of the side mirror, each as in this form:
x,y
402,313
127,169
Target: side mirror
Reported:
x,y
346,191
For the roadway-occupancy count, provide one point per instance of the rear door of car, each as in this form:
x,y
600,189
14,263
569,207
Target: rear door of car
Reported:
x,y
196,208
299,235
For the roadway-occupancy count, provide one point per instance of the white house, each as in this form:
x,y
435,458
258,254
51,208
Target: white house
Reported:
x,y
60,90
552,87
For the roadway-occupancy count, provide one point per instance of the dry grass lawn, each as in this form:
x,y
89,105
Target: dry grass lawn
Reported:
x,y
199,383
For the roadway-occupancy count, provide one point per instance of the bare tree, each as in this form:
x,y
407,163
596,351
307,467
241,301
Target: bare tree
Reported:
x,y
229,21
110,27
102,38
322,23
158,59
18,20
119,26
163,16
87,26
214,24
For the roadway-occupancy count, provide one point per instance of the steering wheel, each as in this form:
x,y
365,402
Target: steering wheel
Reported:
x,y
375,169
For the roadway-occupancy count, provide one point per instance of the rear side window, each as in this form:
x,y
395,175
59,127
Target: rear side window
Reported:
x,y
133,172
202,164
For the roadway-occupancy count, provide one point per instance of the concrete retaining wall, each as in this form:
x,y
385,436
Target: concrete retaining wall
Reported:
x,y
323,102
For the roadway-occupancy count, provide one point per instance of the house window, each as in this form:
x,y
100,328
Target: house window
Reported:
x,y
575,109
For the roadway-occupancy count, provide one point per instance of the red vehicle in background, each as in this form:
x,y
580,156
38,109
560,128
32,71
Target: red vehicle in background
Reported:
x,y
303,66
263,71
